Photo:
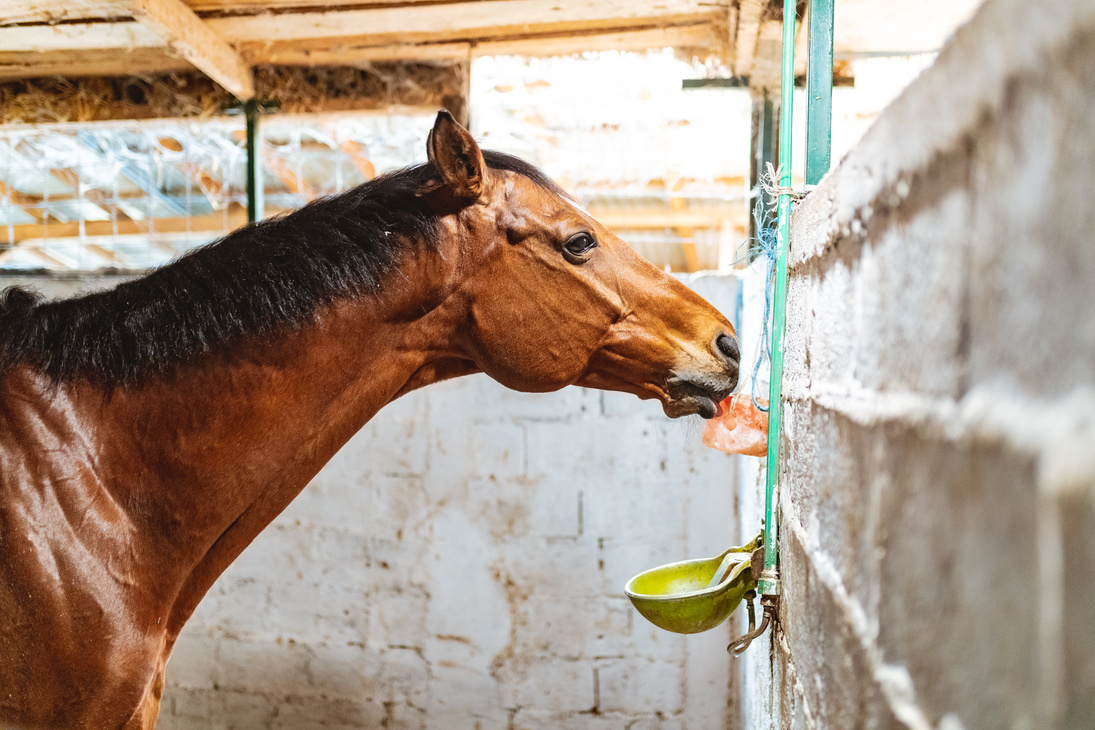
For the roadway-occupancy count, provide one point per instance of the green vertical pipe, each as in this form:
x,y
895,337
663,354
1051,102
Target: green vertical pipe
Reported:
x,y
819,91
769,579
256,205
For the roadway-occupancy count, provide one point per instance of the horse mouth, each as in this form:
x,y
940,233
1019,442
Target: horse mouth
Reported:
x,y
695,396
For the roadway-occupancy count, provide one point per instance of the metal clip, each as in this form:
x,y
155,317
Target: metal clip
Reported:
x,y
738,646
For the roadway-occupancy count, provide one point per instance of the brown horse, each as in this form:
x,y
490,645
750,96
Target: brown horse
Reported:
x,y
150,432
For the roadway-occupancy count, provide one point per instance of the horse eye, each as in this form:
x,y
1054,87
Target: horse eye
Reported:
x,y
577,246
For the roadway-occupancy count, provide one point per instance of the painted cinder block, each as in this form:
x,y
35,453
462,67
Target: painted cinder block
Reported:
x,y
829,650
537,719
836,470
557,686
1033,264
277,669
908,298
301,712
193,661
401,677
961,519
595,451
631,687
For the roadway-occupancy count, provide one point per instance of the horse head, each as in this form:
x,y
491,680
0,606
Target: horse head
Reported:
x,y
553,298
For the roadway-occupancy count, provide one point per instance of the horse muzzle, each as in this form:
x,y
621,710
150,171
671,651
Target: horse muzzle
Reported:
x,y
699,390
698,393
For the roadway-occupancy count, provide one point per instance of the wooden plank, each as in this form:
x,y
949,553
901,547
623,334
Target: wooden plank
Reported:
x,y
348,51
98,62
262,5
768,61
484,20
78,37
53,11
745,40
195,41
113,62
696,35
480,20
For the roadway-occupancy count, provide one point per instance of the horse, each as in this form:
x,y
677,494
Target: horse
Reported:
x,y
148,433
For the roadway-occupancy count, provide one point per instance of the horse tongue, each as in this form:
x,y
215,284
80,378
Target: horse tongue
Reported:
x,y
739,428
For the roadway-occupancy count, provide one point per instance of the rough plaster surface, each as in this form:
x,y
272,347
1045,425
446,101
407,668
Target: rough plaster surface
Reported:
x,y
460,564
938,479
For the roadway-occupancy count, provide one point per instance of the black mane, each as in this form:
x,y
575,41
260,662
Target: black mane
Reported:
x,y
258,280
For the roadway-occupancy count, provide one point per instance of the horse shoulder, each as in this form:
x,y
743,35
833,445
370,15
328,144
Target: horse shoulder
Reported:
x,y
71,644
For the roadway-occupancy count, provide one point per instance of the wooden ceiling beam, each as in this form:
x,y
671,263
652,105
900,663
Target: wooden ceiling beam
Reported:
x,y
694,35
401,26
54,11
482,20
78,37
193,39
111,62
745,40
349,51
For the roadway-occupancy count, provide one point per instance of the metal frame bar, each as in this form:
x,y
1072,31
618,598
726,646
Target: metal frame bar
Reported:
x,y
819,91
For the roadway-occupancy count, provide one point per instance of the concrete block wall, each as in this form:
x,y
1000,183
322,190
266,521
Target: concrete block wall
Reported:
x,y
938,479
460,564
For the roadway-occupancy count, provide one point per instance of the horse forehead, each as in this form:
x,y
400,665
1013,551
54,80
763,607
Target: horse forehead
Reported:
x,y
524,203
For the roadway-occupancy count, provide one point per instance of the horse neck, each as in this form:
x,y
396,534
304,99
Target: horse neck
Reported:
x,y
214,452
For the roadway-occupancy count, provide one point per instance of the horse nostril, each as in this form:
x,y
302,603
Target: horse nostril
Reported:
x,y
728,346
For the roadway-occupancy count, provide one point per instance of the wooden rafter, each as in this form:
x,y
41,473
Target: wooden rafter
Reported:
x,y
470,20
193,39
54,11
477,21
768,57
114,62
745,40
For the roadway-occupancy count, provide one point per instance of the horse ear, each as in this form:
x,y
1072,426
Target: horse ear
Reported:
x,y
457,158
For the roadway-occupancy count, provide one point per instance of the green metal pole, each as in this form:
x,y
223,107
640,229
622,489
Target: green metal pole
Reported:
x,y
769,579
819,91
256,206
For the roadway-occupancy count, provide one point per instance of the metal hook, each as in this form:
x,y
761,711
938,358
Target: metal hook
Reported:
x,y
738,646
